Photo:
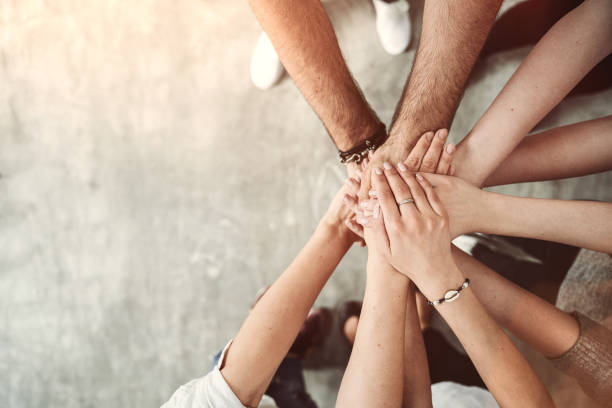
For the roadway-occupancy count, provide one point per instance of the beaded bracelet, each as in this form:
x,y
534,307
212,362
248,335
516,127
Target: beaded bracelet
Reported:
x,y
359,152
451,295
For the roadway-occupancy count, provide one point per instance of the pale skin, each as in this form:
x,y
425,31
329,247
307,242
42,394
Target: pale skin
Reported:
x,y
572,151
585,224
416,242
272,325
566,53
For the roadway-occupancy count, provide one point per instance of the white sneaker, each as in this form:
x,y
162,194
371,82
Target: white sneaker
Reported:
x,y
393,25
266,68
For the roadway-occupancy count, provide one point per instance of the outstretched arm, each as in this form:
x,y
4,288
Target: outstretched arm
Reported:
x,y
268,332
417,383
568,51
374,374
304,38
419,247
453,34
585,224
541,325
570,151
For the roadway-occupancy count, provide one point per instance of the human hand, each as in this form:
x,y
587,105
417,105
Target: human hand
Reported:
x,y
467,206
428,155
340,214
417,232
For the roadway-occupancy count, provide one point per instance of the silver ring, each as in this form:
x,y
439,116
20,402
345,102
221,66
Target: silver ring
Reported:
x,y
406,201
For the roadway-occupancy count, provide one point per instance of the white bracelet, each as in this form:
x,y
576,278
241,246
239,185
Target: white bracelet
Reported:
x,y
451,295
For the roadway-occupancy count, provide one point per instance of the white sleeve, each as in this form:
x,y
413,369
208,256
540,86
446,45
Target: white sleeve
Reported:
x,y
210,391
447,394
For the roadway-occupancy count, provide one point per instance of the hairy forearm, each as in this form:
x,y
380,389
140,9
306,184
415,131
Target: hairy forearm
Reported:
x,y
373,376
452,36
568,51
568,151
304,38
268,332
585,224
539,324
504,370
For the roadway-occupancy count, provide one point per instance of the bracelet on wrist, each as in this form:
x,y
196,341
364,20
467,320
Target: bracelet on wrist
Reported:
x,y
360,152
451,295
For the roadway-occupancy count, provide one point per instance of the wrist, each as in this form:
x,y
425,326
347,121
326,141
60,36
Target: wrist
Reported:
x,y
437,283
346,139
493,213
333,229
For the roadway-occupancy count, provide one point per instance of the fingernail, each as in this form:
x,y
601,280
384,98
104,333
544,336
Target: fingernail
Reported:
x,y
347,223
387,166
429,136
378,171
372,193
357,178
402,166
370,154
346,200
365,161
363,203
376,210
442,134
450,148
419,177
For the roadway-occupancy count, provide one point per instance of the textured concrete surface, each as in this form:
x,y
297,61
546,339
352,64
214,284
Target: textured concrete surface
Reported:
x,y
147,190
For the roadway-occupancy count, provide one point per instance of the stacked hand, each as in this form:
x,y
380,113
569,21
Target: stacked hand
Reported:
x,y
428,156
404,222
409,229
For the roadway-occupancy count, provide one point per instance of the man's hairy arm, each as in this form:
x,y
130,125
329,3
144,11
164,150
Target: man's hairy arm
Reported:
x,y
305,41
452,36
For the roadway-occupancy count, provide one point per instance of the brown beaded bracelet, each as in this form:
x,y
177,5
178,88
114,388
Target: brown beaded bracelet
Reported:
x,y
359,152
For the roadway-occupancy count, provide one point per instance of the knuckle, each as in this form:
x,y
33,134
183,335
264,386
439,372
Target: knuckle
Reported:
x,y
413,163
429,164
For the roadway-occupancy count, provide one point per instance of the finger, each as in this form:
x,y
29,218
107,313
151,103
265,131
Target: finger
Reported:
x,y
415,158
377,230
365,184
400,189
353,184
385,196
446,159
364,163
431,194
367,204
354,228
430,161
452,170
351,202
418,195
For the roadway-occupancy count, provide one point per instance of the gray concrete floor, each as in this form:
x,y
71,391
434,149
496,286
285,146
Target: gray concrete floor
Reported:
x,y
148,190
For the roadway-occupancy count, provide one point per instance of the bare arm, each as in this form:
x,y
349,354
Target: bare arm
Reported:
x,y
417,385
268,332
541,325
570,151
568,51
373,376
586,224
453,34
304,38
419,247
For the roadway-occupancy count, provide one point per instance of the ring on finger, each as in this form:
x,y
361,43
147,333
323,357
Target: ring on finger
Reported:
x,y
406,201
